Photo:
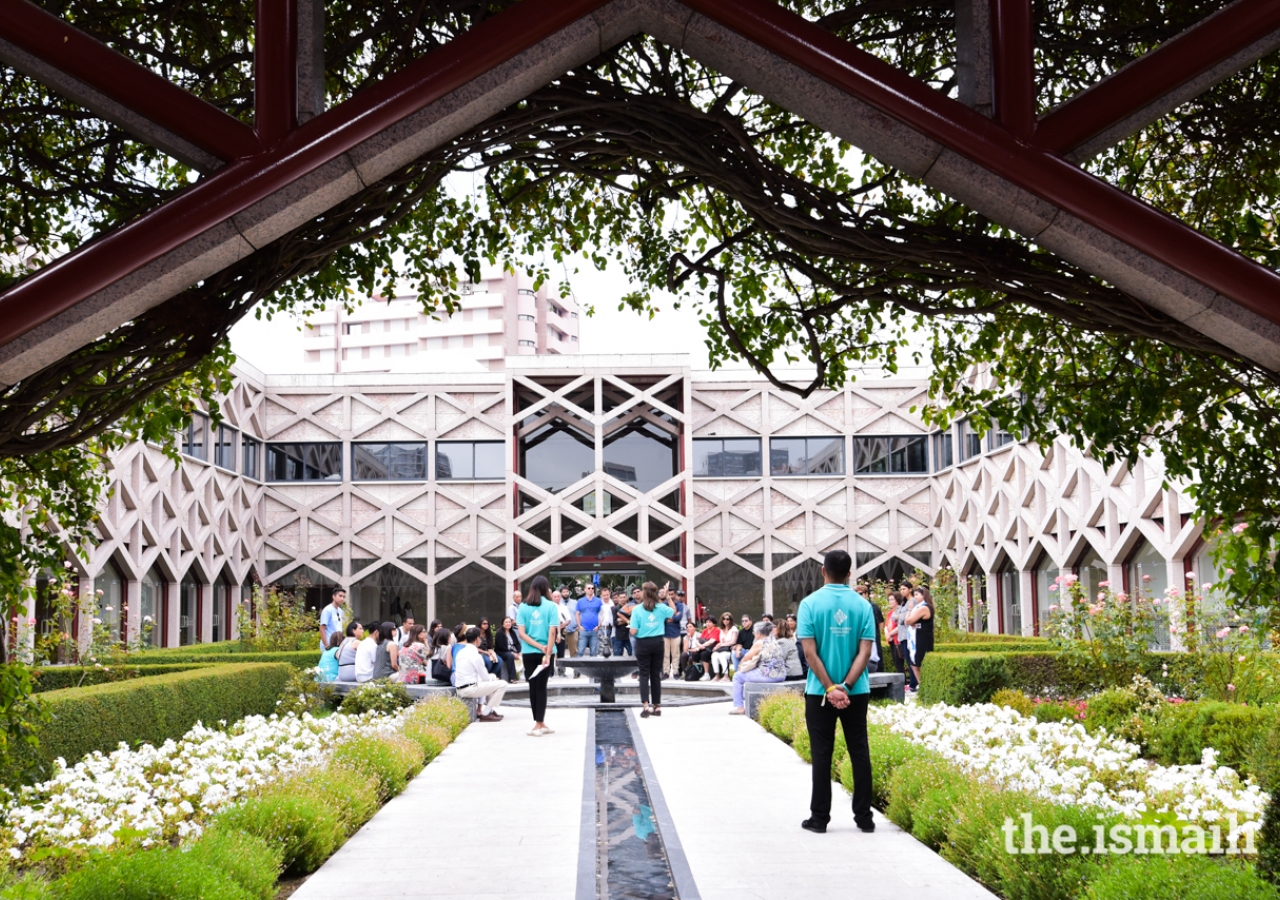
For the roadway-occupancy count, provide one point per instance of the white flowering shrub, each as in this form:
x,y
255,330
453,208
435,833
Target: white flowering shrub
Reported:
x,y
1062,762
155,794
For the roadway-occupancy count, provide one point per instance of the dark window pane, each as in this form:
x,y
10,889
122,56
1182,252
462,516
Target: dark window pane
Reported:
x,y
224,448
491,459
908,455
249,450
642,456
871,456
389,462
556,456
787,456
195,438
942,451
304,462
727,458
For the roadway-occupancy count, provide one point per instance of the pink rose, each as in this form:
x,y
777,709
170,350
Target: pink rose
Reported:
x,y
1069,579
1222,633
1104,584
1206,586
1053,607
1146,577
1230,571
1239,529
1053,587
1244,629
31,621
1231,687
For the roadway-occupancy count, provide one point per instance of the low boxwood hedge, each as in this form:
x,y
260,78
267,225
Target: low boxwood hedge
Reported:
x,y
301,659
56,678
153,709
982,637
1027,645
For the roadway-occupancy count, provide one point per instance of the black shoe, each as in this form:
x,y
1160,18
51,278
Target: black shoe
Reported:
x,y
644,713
656,711
867,828
816,827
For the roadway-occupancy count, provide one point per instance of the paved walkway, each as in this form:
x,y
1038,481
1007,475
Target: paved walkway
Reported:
x,y
497,814
500,813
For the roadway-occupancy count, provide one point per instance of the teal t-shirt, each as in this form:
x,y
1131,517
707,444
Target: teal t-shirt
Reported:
x,y
538,622
651,624
839,619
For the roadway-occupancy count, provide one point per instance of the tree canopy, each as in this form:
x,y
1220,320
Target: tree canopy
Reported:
x,y
792,245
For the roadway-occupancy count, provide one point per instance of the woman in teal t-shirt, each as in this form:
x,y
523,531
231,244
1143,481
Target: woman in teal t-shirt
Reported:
x,y
648,625
538,620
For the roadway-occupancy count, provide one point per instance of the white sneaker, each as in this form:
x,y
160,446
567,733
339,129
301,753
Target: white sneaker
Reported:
x,y
544,730
535,731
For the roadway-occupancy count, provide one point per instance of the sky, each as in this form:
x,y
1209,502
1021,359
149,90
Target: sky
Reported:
x,y
275,347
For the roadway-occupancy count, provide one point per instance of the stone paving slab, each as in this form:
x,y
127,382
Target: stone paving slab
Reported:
x,y
754,847
496,814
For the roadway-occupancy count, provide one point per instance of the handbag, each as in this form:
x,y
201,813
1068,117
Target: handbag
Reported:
x,y
439,671
694,672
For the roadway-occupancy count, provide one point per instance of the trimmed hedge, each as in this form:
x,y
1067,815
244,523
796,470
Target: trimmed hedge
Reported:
x,y
1026,645
56,678
973,676
156,708
299,659
981,637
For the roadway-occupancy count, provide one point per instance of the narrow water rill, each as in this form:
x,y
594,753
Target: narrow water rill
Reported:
x,y
631,854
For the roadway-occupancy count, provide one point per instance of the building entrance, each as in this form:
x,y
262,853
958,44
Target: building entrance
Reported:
x,y
578,578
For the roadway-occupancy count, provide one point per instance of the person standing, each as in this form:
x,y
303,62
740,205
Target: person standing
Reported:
x,y
569,623
921,619
589,608
473,679
622,625
648,625
538,621
838,632
514,608
606,618
671,637
333,618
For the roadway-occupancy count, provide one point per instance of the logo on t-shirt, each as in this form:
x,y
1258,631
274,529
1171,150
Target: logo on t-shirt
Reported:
x,y
840,617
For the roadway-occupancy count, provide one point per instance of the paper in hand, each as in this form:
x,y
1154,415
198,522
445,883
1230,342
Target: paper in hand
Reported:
x,y
537,671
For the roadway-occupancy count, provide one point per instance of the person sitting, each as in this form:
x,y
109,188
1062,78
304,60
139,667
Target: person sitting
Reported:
x,y
367,655
764,663
698,648
746,634
328,666
385,662
804,663
473,679
347,652
722,655
441,656
405,627
507,644
415,657
491,658
791,653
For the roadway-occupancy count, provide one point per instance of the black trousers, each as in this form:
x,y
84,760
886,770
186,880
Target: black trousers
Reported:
x,y
508,665
537,686
702,656
649,652
821,719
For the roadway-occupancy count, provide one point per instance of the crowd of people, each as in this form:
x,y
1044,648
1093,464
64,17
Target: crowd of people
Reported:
x,y
669,637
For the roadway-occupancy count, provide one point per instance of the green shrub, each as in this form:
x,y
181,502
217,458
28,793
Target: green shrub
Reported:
x,y
27,887
57,678
388,761
976,844
960,678
303,694
355,793
1053,711
247,860
983,638
431,738
154,709
1178,877
375,696
160,874
781,712
1022,645
1116,711
301,823
888,752
922,796
800,741
1014,700
1179,734
448,713
301,659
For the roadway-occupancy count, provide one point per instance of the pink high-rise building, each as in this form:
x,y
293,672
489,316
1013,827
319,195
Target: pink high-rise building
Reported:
x,y
501,315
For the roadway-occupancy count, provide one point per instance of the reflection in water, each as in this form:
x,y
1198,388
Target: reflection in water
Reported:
x,y
633,861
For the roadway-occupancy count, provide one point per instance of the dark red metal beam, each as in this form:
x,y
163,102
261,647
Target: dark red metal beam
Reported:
x,y
1013,66
61,285
1152,76
72,51
983,141
275,69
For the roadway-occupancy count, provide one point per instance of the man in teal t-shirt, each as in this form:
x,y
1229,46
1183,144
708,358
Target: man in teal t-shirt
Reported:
x,y
837,629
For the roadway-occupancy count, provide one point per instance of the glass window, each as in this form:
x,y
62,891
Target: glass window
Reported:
x,y
970,441
195,438
726,457
641,455
224,448
249,449
527,343
189,612
999,437
943,451
108,589
806,456
1046,575
891,455
554,456
1091,570
1011,601
304,462
471,460
389,462
221,610
152,600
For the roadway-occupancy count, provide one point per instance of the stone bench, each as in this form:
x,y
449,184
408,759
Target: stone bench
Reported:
x,y
884,686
